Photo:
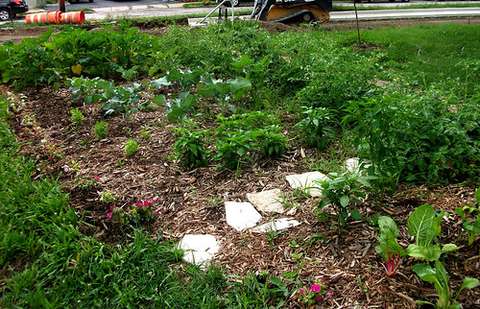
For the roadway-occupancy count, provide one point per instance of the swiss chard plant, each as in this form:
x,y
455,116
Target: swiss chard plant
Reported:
x,y
388,246
438,276
424,224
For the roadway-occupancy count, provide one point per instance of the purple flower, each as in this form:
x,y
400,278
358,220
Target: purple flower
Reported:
x,y
319,299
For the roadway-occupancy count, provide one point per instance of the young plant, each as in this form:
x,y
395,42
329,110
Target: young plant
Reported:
x,y
101,130
344,192
181,106
131,147
388,246
317,127
471,224
76,117
438,276
424,225
107,197
190,147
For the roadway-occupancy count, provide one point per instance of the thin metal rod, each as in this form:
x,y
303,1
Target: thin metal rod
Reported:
x,y
356,19
213,10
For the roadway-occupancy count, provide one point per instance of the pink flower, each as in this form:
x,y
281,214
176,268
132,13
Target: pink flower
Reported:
x,y
96,178
301,291
146,203
109,213
315,288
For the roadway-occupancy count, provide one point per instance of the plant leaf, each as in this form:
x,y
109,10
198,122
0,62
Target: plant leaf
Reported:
x,y
423,225
470,283
447,248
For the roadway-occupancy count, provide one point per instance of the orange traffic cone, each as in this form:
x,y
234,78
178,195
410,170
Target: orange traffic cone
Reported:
x,y
44,18
73,18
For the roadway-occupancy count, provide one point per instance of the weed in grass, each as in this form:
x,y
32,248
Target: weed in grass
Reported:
x,y
100,130
76,117
130,148
145,134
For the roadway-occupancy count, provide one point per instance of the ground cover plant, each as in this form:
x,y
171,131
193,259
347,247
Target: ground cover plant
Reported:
x,y
115,143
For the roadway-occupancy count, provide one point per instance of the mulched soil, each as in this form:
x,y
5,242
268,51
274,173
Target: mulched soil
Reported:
x,y
192,202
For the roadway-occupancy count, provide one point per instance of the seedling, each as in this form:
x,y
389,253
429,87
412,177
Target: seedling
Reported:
x,y
101,130
76,117
388,246
107,197
190,149
470,215
131,147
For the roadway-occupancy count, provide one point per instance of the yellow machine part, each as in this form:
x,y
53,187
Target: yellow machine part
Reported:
x,y
277,12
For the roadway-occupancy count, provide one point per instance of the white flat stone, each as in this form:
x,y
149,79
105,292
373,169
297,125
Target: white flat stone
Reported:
x,y
267,201
308,182
199,249
242,215
355,165
276,225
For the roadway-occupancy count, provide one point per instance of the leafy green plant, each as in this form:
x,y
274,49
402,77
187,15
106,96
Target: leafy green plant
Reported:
x,y
344,191
225,91
470,216
180,106
100,129
388,246
131,147
107,197
246,138
115,100
418,137
190,147
424,224
438,276
76,117
316,127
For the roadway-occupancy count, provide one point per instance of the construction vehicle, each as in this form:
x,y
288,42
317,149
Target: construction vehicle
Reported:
x,y
292,11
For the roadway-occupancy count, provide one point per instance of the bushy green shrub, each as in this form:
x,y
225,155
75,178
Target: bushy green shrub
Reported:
x,y
245,138
72,52
190,147
428,137
317,127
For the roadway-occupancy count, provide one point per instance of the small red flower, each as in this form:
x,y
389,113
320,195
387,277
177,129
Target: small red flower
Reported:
x,y
319,299
96,178
315,288
146,203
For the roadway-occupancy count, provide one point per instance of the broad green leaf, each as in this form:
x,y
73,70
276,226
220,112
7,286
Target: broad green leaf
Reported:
x,y
470,283
449,248
428,253
355,214
161,82
387,225
423,225
344,200
239,87
425,272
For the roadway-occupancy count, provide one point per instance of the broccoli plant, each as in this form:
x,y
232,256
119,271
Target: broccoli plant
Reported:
x,y
190,147
438,276
388,246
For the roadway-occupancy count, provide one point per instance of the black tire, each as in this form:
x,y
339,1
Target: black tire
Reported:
x,y
5,15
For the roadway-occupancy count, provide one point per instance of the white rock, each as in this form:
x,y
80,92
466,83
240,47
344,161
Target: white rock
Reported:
x,y
199,249
308,182
241,216
276,225
355,165
267,201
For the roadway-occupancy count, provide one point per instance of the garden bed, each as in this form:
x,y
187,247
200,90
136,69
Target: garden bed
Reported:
x,y
190,200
